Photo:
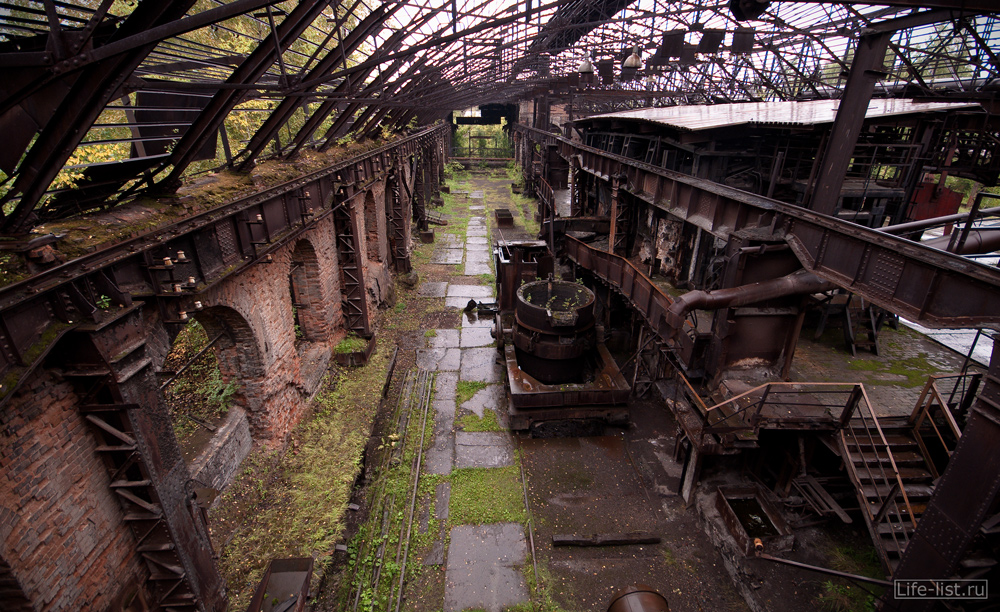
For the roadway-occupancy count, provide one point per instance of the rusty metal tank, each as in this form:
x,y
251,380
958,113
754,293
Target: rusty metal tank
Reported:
x,y
638,598
554,330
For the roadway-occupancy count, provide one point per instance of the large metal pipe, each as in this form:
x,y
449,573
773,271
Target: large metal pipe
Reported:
x,y
913,226
799,282
984,240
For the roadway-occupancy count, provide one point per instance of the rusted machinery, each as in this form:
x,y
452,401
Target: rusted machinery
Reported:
x,y
558,368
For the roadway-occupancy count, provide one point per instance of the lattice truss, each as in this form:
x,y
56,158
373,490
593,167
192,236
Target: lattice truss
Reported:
x,y
102,99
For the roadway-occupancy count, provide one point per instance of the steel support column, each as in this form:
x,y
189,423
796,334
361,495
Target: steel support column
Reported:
x,y
866,70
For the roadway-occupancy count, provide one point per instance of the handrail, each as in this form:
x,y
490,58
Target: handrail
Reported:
x,y
931,400
767,388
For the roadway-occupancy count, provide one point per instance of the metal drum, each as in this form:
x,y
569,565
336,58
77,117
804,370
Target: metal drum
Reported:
x,y
638,598
554,330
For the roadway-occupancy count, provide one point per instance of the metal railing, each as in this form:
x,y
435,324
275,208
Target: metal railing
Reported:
x,y
748,417
935,411
883,475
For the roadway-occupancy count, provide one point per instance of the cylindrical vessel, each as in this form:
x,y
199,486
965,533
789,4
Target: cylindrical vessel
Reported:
x,y
554,330
638,598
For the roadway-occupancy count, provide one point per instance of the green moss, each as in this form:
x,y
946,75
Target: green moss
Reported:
x,y
466,389
488,422
486,495
430,333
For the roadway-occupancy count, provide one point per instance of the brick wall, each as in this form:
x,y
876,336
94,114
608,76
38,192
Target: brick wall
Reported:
x,y
61,528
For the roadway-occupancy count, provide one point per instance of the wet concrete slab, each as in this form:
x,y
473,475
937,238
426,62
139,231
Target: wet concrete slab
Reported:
x,y
477,336
447,256
446,385
472,319
475,269
442,496
477,208
478,193
441,359
477,241
489,398
476,232
432,289
440,457
445,338
483,449
470,291
456,302
483,569
480,364
474,255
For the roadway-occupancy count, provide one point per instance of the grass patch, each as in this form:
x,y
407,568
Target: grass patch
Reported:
x,y
486,495
353,343
399,307
489,422
466,389
914,369
843,596
431,333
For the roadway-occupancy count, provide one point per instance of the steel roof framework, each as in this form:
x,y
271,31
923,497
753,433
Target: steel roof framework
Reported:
x,y
279,76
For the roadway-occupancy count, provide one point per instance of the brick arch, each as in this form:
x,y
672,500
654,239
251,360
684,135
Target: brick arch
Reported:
x,y
238,351
305,288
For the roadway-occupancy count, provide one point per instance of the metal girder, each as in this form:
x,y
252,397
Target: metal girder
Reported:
x,y
931,287
262,58
85,101
288,106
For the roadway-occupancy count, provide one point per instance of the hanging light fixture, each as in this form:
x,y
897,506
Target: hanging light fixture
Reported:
x,y
634,62
586,66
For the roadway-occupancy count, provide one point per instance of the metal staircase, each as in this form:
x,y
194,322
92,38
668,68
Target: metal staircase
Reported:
x,y
352,283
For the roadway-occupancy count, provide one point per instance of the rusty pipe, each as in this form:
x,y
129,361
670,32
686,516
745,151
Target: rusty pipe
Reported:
x,y
799,282
978,241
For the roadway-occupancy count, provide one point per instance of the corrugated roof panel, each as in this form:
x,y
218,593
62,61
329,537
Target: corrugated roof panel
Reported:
x,y
811,112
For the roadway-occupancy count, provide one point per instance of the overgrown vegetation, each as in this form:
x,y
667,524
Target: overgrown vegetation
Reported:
x,y
294,505
842,596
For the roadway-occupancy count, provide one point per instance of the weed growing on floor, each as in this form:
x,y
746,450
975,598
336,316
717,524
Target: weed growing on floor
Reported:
x,y
488,422
486,495
466,389
352,343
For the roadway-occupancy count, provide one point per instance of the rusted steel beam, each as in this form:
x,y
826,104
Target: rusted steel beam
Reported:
x,y
217,244
932,287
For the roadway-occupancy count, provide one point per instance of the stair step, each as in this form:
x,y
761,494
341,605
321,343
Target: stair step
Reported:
x,y
916,491
894,441
125,448
900,528
908,474
142,516
162,547
894,548
166,576
107,407
128,484
901,457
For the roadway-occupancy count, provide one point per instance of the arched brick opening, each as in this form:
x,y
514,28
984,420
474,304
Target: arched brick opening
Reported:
x,y
238,352
308,306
